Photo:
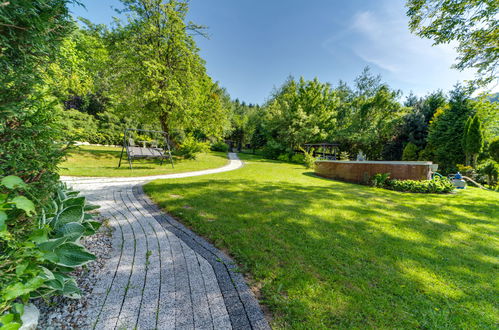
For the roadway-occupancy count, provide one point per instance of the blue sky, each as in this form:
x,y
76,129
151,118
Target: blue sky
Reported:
x,y
255,45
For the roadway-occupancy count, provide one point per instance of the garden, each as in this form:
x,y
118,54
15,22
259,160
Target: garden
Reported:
x,y
239,227
325,253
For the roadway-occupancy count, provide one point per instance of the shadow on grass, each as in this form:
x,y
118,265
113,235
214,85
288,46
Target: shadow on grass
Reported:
x,y
333,254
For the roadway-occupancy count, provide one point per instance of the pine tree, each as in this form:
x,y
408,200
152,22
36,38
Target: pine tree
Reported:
x,y
474,139
410,152
446,130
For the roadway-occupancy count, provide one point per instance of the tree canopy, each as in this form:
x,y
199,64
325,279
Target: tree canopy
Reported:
x,y
473,25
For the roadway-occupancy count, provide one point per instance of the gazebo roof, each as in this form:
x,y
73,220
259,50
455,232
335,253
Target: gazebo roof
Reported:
x,y
322,144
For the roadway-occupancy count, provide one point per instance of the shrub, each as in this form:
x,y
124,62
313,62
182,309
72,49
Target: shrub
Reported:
x,y
379,180
190,147
283,157
426,154
344,155
219,146
273,149
468,171
438,185
410,152
298,158
309,158
494,149
490,170
29,147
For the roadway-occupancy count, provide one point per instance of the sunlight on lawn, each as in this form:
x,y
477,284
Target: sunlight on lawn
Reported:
x,y
332,254
103,161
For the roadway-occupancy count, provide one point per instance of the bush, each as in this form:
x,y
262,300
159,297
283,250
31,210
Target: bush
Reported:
x,y
298,158
379,180
29,147
438,185
283,158
220,146
309,158
344,155
190,147
273,150
494,149
490,170
44,246
410,152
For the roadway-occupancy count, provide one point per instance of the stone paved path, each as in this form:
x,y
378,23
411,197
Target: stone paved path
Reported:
x,y
161,275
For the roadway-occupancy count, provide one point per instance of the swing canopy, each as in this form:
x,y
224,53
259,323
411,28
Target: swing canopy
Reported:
x,y
147,149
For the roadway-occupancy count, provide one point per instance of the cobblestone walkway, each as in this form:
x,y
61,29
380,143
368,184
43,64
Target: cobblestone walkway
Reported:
x,y
161,274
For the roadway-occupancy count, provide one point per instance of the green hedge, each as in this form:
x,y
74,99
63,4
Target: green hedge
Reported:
x,y
438,185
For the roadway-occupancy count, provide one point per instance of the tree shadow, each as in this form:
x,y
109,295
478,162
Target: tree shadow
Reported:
x,y
340,255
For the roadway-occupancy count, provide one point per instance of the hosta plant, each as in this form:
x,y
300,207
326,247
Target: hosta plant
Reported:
x,y
39,248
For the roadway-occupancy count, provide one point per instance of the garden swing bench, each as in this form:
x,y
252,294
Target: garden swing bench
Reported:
x,y
153,151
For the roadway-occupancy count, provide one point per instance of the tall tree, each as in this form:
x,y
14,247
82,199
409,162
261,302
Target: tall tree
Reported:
x,y
159,71
446,130
473,24
474,139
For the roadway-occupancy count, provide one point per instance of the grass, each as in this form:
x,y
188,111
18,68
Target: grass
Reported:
x,y
103,161
328,254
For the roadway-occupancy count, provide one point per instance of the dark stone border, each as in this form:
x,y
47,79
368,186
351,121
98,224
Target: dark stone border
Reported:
x,y
242,306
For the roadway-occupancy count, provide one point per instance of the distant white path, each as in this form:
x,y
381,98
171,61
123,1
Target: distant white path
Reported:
x,y
234,164
161,275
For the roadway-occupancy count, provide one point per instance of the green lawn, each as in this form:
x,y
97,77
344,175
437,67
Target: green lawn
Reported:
x,y
331,254
103,161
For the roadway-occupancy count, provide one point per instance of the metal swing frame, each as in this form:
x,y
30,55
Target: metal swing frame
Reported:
x,y
136,152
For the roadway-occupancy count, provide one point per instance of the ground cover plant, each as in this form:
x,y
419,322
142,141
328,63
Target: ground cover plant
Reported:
x,y
38,251
103,161
438,185
329,254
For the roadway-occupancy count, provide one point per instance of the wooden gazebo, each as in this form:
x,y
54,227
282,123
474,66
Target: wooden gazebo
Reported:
x,y
324,150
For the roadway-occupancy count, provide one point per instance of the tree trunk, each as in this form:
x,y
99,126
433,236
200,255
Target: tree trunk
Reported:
x,y
475,160
165,127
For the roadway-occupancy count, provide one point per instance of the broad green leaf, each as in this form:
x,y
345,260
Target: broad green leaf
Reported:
x,y
71,289
7,318
19,289
55,284
80,201
52,244
90,207
3,198
12,182
19,308
70,255
24,204
47,274
20,268
91,227
11,326
70,214
39,235
72,230
62,196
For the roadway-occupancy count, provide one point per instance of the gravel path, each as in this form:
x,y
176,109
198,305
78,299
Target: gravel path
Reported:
x,y
160,274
